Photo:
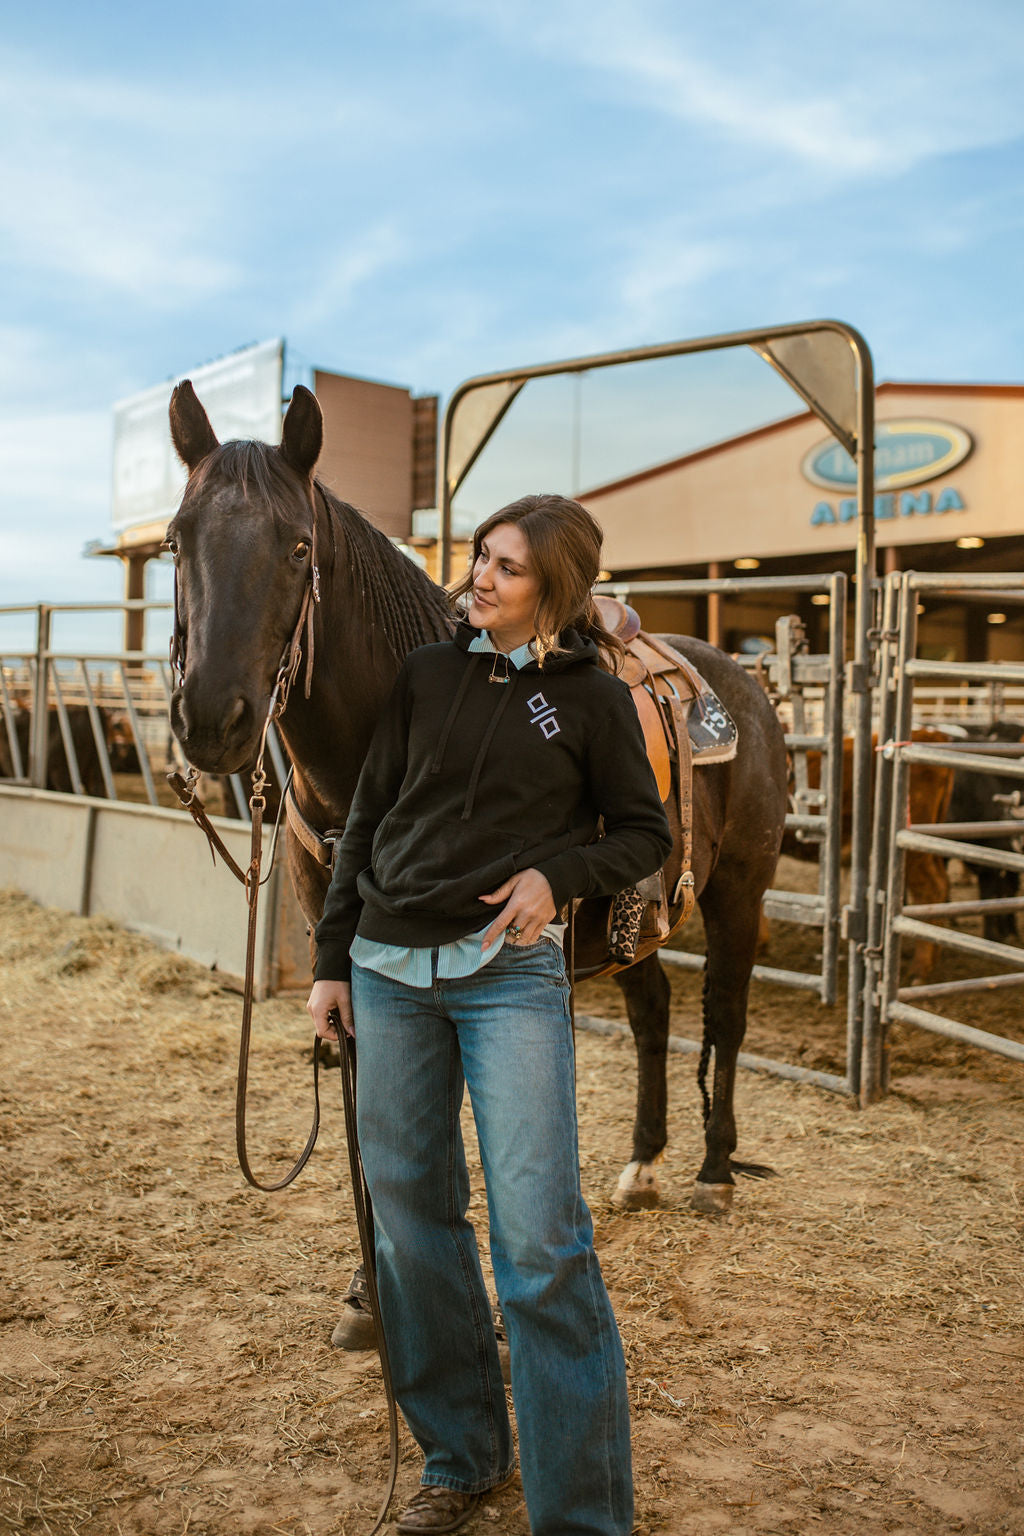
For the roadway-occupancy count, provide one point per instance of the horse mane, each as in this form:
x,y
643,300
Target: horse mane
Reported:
x,y
396,594
397,597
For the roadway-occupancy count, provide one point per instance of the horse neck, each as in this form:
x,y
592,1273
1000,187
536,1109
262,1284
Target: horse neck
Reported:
x,y
328,734
354,669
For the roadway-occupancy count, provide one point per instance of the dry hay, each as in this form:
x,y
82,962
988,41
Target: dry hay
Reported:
x,y
844,1353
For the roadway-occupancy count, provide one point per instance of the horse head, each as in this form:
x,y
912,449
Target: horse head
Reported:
x,y
243,545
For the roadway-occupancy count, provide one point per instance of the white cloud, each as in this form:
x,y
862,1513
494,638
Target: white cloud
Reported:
x,y
55,477
54,498
336,281
96,187
665,267
862,87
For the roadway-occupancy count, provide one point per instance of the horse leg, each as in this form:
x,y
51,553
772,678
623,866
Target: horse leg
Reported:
x,y
996,885
731,924
648,996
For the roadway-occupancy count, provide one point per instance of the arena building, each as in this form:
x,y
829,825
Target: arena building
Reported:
x,y
780,500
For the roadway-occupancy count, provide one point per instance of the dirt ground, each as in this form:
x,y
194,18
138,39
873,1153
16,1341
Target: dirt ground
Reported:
x,y
843,1354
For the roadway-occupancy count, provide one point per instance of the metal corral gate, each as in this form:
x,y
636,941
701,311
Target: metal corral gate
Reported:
x,y
129,689
808,694
829,366
890,919
97,727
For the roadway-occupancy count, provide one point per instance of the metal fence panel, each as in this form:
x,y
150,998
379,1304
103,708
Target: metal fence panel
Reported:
x,y
809,693
892,919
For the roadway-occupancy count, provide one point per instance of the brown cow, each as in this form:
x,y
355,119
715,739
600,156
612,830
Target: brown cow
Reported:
x,y
930,790
58,774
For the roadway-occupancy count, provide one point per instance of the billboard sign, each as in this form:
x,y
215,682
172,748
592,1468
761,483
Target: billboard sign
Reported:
x,y
907,452
242,397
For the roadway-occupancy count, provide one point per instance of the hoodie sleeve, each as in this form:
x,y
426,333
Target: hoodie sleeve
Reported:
x,y
637,839
380,780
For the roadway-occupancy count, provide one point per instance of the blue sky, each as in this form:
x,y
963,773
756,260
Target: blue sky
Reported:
x,y
417,192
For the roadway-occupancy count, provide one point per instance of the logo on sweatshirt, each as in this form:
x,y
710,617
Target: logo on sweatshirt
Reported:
x,y
543,715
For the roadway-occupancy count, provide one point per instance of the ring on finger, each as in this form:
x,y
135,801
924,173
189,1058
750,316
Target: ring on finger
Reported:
x,y
514,931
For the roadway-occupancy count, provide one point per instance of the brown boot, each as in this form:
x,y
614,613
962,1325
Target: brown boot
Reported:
x,y
434,1510
354,1329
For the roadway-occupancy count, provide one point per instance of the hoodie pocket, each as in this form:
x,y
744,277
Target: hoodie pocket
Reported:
x,y
441,863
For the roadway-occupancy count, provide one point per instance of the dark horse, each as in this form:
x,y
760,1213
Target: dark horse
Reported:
x,y
251,523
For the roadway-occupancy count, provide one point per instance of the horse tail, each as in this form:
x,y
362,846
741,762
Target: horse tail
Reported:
x,y
752,1170
749,1170
705,1050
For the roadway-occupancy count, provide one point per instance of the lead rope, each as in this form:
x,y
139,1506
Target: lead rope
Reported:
x,y
364,1219
250,878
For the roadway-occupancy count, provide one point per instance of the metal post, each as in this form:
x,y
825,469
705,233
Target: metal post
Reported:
x,y
872,1071
39,739
832,782
7,707
70,754
859,685
714,630
136,728
134,617
896,862
98,734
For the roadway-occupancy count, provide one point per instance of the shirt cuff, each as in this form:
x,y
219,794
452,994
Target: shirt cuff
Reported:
x,y
333,962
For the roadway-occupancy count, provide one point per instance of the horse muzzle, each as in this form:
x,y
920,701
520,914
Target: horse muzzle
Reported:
x,y
218,738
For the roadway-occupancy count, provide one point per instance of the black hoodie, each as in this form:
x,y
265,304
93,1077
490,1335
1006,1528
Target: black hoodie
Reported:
x,y
468,780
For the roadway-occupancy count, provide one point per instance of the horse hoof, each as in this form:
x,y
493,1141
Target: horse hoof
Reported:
x,y
354,1329
712,1199
637,1189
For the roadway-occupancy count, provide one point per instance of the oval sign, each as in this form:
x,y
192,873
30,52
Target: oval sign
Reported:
x,y
908,451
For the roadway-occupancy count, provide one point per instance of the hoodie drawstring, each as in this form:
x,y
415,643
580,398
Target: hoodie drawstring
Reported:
x,y
506,694
446,729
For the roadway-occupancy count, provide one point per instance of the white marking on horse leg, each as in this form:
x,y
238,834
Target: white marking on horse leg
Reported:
x,y
712,1199
637,1189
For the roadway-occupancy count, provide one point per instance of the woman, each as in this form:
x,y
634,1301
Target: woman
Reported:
x,y
473,827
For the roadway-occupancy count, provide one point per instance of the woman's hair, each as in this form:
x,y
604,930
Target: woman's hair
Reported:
x,y
565,551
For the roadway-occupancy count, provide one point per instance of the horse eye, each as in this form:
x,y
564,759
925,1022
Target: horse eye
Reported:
x,y
172,545
301,549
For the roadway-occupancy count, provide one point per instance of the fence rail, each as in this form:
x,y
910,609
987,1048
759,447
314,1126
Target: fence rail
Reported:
x,y
895,834
96,722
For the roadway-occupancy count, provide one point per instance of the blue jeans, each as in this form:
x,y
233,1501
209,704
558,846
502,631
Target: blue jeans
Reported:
x,y
505,1032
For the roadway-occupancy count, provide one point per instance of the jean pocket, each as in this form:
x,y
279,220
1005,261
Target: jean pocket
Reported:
x,y
545,958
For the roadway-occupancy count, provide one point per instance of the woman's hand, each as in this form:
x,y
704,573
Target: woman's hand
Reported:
x,y
529,906
325,998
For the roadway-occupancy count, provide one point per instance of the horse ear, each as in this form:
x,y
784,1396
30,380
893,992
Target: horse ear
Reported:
x,y
191,432
302,436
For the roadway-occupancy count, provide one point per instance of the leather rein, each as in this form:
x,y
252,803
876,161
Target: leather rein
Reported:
x,y
250,878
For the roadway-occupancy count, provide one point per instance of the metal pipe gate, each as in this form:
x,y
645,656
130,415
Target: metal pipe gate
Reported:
x,y
829,365
808,691
125,697
885,1001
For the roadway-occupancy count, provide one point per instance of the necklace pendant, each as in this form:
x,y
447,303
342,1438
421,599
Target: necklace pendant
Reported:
x,y
500,677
